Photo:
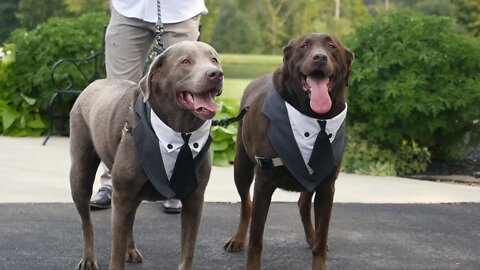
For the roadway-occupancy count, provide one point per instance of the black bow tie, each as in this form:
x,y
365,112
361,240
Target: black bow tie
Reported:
x,y
184,179
322,161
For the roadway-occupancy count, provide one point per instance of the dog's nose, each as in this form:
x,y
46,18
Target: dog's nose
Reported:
x,y
214,74
320,57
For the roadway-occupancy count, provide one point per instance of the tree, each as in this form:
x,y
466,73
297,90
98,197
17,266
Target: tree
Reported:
x,y
274,15
233,32
7,18
337,9
469,15
33,12
84,6
436,7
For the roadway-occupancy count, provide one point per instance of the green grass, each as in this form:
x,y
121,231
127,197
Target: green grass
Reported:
x,y
251,59
233,88
241,69
245,66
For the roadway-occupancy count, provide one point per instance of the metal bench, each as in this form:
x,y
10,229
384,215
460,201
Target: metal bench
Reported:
x,y
68,77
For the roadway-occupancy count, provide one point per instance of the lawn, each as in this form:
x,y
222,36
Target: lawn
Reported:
x,y
241,69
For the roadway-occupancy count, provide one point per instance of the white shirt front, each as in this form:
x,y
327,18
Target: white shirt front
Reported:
x,y
172,11
305,130
170,141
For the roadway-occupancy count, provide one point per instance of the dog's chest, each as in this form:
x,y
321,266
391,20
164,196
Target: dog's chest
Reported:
x,y
158,155
294,138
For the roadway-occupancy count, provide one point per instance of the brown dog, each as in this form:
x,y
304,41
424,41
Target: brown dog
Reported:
x,y
309,87
110,122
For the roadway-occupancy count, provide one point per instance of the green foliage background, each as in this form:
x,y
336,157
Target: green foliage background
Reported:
x,y
25,78
410,84
413,89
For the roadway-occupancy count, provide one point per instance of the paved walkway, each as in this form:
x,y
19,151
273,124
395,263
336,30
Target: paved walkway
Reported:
x,y
30,172
378,223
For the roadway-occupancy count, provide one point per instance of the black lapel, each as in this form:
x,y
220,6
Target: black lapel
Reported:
x,y
339,143
281,137
149,152
198,159
283,141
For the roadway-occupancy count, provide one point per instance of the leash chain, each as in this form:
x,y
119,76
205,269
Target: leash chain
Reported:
x,y
159,48
226,122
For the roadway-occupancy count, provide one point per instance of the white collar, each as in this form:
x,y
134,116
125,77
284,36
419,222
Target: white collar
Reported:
x,y
305,130
303,123
172,140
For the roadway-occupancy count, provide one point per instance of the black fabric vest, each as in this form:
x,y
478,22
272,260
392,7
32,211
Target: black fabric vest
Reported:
x,y
283,141
149,153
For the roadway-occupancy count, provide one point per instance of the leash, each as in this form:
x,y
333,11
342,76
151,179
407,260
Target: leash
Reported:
x,y
226,122
159,46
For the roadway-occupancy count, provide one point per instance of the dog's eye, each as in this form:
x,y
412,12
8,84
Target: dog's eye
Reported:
x,y
186,61
331,46
215,60
304,46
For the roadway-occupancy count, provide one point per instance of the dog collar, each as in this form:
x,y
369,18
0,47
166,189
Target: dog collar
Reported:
x,y
170,141
282,138
151,156
305,130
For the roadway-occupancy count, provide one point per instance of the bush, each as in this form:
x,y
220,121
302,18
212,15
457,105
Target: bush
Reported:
x,y
364,156
224,138
19,114
415,79
25,85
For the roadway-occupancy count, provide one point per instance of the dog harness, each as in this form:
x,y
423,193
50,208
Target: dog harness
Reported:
x,y
297,137
157,152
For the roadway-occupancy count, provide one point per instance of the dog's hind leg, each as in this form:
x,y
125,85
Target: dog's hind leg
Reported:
x,y
84,165
305,208
243,175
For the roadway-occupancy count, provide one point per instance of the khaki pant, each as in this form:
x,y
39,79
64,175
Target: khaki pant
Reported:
x,y
129,40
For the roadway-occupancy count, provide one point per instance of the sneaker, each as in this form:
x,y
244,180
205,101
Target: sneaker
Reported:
x,y
172,206
103,198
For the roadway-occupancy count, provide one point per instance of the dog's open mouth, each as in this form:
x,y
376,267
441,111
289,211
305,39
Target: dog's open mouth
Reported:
x,y
318,86
200,104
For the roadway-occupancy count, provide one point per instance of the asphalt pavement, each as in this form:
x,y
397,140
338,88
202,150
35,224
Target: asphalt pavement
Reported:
x,y
377,222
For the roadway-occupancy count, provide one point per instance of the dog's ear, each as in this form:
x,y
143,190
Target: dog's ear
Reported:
x,y
288,51
349,57
146,81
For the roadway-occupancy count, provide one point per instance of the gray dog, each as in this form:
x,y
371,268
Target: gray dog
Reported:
x,y
118,122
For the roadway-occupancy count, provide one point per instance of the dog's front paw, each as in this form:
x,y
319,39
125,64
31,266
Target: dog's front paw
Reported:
x,y
234,245
133,256
87,265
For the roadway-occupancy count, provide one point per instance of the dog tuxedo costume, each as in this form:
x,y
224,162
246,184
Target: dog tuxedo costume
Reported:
x,y
319,143
169,158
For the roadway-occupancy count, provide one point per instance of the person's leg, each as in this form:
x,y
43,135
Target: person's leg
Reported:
x,y
103,198
127,42
186,30
176,32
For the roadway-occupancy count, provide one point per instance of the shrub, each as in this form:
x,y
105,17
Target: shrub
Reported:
x,y
415,79
36,52
364,156
19,115
224,138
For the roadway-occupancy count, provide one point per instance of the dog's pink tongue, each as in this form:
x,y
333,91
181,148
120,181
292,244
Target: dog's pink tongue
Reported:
x,y
205,101
320,101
